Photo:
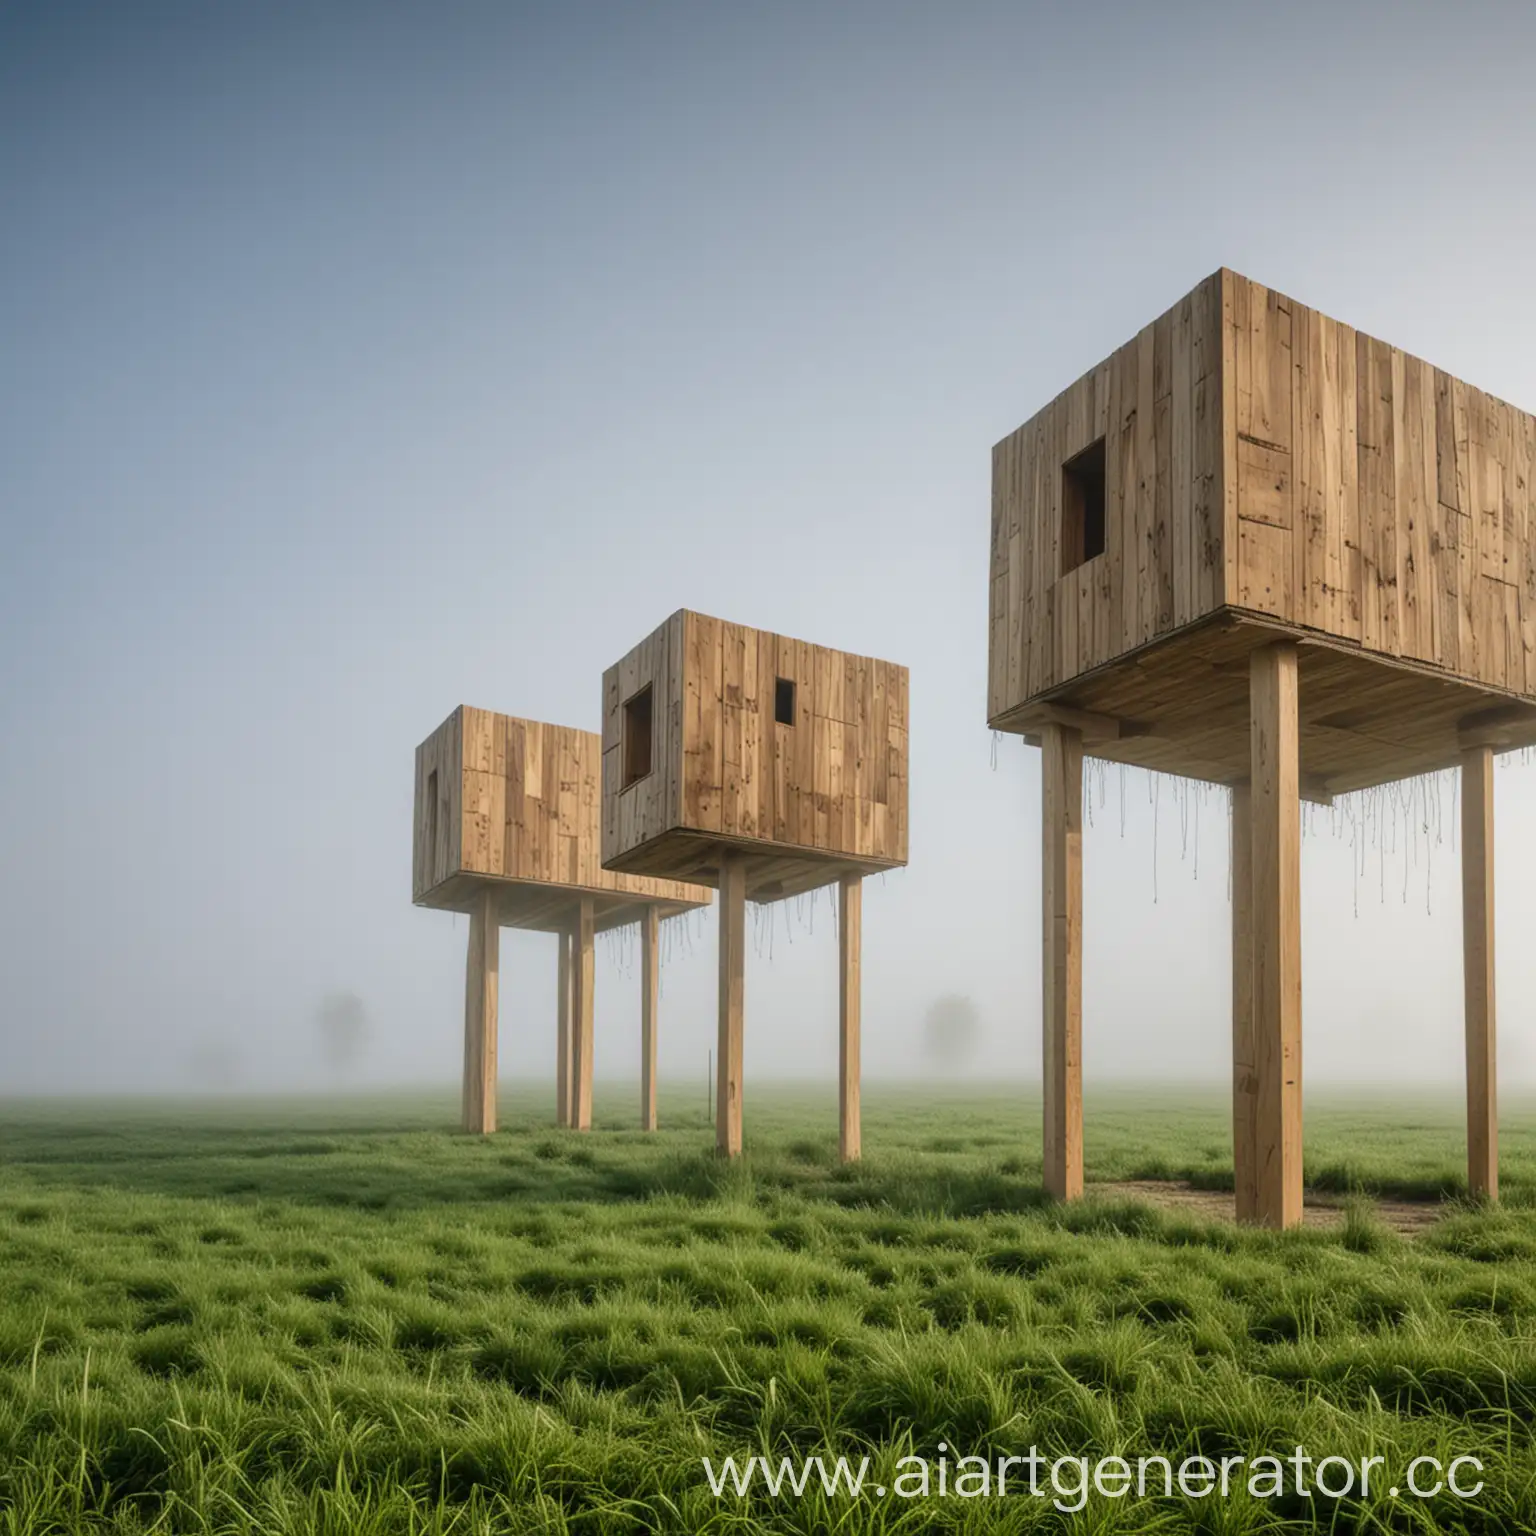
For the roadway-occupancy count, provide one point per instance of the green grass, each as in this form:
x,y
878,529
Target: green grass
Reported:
x,y
347,1318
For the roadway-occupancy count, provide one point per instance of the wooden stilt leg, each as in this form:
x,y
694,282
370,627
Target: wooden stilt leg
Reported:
x,y
650,932
1477,963
850,947
733,936
563,1033
480,981
581,1016
1244,1082
1276,918
473,1001
1062,962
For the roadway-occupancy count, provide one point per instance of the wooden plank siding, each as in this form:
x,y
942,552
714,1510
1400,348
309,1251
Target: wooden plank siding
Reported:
x,y
518,802
822,794
1403,493
1157,405
1294,469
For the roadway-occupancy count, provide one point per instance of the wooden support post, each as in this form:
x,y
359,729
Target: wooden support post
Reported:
x,y
1477,964
1244,1082
1062,967
733,944
849,957
480,981
1275,822
581,1017
563,1042
650,946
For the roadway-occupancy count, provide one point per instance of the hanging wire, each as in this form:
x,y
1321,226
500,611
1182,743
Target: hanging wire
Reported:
x,y
1399,826
677,937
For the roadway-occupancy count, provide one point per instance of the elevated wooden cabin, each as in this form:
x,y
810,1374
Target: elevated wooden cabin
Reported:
x,y
720,736
765,766
506,829
1260,548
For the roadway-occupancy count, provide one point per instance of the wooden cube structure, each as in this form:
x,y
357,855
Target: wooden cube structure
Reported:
x,y
1259,548
506,829
767,767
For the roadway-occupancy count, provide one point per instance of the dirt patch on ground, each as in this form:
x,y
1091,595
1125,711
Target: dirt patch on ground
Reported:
x,y
1321,1210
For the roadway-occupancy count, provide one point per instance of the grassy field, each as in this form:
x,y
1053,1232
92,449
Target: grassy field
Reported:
x,y
347,1318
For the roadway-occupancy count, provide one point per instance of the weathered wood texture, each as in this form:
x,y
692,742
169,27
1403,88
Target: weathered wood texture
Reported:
x,y
730,1044
482,964
1275,862
850,952
1263,458
1478,972
650,974
1157,403
1379,499
1244,1067
1259,548
811,799
517,802
1062,961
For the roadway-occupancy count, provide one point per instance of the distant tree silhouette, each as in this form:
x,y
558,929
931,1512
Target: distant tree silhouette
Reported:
x,y
213,1063
342,1023
951,1031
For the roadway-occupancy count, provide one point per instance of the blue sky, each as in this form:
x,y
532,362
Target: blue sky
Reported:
x,y
357,361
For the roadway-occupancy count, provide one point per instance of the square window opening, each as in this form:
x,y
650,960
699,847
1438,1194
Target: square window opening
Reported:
x,y
637,737
784,700
1082,507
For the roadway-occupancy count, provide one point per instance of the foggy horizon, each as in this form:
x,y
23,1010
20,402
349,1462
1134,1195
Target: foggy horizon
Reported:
x,y
363,363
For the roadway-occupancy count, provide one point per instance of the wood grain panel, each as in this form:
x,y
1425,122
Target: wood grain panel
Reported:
x,y
810,797
1264,457
1157,404
1409,503
518,803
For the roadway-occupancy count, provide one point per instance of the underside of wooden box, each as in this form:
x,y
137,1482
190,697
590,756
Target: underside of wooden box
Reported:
x,y
774,871
1181,705
543,907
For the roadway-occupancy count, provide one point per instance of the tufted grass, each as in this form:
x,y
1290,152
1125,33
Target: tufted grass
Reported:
x,y
310,1317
